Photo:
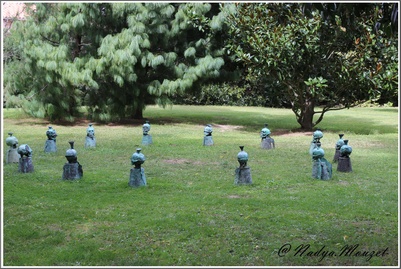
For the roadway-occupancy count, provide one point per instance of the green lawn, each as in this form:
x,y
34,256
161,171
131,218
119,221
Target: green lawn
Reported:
x,y
191,213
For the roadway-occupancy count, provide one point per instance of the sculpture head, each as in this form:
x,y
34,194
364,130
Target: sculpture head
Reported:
x,y
208,130
71,153
137,158
51,133
265,132
317,135
318,152
24,150
146,127
242,157
340,142
345,150
90,131
12,141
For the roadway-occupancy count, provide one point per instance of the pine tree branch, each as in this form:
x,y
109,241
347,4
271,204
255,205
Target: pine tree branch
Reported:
x,y
51,41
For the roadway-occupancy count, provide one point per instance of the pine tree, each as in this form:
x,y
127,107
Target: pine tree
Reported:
x,y
115,58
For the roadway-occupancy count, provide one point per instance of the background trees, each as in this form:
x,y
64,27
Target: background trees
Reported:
x,y
325,57
113,58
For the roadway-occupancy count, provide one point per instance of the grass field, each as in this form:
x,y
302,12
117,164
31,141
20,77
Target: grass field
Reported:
x,y
191,213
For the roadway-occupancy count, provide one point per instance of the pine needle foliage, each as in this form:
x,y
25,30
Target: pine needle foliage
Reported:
x,y
114,58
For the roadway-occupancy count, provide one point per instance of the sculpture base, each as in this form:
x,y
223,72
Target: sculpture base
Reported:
x,y
72,171
25,165
321,169
137,177
50,146
208,141
268,143
12,156
147,140
344,164
90,142
336,156
243,176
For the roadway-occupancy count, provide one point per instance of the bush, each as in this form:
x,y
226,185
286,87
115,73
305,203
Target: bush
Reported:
x,y
223,94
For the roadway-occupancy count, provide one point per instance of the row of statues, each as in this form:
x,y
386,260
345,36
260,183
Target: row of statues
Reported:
x,y
266,141
19,154
51,146
321,168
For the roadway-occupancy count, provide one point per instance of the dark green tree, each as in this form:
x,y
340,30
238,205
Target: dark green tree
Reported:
x,y
115,58
317,58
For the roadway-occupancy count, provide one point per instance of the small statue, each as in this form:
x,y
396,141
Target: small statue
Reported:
x,y
146,138
90,140
72,169
50,145
12,154
321,168
339,144
317,135
243,173
344,161
25,161
207,139
267,141
137,174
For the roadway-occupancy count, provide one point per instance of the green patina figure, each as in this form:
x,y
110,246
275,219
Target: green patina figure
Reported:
x,y
50,145
321,168
146,138
25,161
344,161
137,174
267,141
339,144
90,140
243,173
12,153
72,169
317,135
207,139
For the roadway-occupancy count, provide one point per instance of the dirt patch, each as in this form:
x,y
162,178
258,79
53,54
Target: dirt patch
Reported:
x,y
236,196
182,161
224,128
288,133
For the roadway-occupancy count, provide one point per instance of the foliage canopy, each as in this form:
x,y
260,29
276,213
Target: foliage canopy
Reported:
x,y
114,58
315,56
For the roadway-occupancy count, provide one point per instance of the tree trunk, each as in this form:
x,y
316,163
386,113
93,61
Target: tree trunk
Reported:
x,y
138,113
305,118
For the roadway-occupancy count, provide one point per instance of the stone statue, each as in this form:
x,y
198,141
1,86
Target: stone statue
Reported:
x,y
267,141
317,135
25,161
321,168
137,174
12,154
146,138
90,140
72,169
344,161
50,145
243,172
339,144
207,139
